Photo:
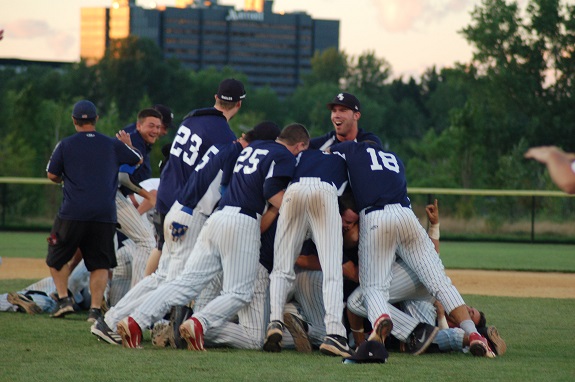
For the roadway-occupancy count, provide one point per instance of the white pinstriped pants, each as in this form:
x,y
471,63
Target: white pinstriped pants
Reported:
x,y
228,243
174,253
132,225
309,205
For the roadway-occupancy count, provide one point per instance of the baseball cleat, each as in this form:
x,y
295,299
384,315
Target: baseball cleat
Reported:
x,y
65,306
495,341
94,314
381,329
336,346
193,332
131,333
273,342
298,330
101,330
23,303
421,337
479,347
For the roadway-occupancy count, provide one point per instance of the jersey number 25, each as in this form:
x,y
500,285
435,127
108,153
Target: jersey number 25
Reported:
x,y
251,156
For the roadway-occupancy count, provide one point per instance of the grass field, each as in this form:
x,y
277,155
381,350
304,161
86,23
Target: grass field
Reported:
x,y
539,334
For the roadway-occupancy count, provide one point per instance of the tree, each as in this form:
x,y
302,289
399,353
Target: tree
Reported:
x,y
329,66
369,74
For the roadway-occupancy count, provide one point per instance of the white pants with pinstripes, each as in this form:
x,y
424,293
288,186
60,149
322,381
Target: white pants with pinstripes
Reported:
x,y
132,225
404,286
228,243
309,205
175,252
250,330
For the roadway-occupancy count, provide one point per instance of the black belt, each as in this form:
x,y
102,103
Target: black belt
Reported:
x,y
245,211
373,208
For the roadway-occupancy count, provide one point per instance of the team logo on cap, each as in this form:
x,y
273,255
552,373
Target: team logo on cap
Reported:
x,y
340,96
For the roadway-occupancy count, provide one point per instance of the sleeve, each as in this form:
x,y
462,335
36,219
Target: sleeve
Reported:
x,y
55,164
126,154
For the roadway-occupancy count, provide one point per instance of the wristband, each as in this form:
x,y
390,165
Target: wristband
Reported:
x,y
357,330
434,231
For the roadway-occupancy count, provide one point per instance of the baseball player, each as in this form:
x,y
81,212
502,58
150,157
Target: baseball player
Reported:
x,y
387,224
228,243
87,163
311,203
147,131
183,224
345,114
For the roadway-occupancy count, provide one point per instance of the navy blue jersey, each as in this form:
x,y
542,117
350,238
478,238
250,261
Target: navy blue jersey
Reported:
x,y
199,131
257,164
202,190
330,139
267,248
88,163
377,178
145,170
318,164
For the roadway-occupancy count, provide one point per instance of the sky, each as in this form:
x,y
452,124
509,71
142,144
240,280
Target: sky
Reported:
x,y
412,35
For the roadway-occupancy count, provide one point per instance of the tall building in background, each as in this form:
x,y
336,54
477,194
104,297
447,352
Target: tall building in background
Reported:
x,y
271,49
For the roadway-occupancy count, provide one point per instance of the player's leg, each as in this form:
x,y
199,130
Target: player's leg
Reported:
x,y
376,253
308,294
238,241
290,235
132,225
325,223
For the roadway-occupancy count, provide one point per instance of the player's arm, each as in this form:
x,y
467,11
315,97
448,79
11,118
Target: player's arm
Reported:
x,y
54,178
268,218
560,165
310,262
350,271
432,211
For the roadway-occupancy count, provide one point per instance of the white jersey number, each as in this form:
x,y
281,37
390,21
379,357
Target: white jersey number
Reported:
x,y
251,156
181,141
388,160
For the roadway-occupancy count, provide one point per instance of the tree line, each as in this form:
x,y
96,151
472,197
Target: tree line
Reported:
x,y
465,126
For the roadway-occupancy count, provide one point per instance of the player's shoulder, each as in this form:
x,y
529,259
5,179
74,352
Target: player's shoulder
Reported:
x,y
363,136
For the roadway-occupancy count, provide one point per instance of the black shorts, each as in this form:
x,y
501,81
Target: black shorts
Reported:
x,y
94,239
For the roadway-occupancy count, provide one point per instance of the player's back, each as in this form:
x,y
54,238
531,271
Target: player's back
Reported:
x,y
318,164
258,162
377,177
200,130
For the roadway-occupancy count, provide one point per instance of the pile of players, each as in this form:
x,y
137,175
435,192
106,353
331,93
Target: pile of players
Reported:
x,y
265,240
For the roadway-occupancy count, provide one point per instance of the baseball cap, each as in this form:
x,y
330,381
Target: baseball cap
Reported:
x,y
167,115
347,100
266,131
369,352
84,110
231,90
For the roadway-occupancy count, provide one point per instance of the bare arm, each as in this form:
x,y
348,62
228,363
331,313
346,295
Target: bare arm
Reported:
x,y
432,211
54,178
268,218
559,164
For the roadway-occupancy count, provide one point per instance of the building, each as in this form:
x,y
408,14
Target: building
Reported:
x,y
269,48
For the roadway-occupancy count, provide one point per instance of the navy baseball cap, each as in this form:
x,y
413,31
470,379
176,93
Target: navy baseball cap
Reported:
x,y
369,352
84,110
345,99
231,90
167,115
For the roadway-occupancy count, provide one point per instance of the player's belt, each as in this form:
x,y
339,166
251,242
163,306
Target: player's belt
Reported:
x,y
245,211
249,213
369,210
188,210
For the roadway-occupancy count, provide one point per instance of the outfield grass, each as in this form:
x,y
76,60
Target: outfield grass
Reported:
x,y
540,348
539,334
455,255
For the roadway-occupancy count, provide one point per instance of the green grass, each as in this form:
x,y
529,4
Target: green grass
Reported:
x,y
539,334
24,244
38,348
508,256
